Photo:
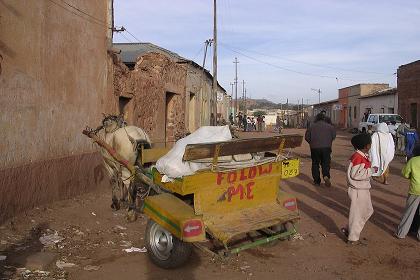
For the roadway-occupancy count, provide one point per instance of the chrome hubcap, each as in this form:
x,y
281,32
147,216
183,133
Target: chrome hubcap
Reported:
x,y
160,242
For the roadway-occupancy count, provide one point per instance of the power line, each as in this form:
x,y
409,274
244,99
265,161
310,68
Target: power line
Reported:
x,y
284,68
311,64
138,40
197,53
128,39
83,12
71,10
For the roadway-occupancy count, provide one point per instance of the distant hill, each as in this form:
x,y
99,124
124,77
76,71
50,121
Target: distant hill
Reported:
x,y
267,104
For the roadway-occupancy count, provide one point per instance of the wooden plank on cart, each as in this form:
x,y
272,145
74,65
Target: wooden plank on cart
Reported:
x,y
241,146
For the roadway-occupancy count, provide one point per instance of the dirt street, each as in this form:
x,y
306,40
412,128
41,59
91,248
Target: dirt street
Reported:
x,y
94,237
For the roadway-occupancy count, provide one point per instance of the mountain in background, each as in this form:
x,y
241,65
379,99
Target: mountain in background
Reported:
x,y
267,104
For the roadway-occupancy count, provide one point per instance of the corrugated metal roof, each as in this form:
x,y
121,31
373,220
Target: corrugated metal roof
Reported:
x,y
131,51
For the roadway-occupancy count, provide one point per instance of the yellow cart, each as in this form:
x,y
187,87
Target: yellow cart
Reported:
x,y
223,210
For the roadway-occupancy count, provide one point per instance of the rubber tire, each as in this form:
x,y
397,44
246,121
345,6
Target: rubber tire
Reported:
x,y
179,255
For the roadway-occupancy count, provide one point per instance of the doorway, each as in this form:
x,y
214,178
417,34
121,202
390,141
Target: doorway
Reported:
x,y
122,105
169,118
191,112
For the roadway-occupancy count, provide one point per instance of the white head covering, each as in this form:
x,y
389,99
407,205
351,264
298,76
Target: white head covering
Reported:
x,y
382,150
382,127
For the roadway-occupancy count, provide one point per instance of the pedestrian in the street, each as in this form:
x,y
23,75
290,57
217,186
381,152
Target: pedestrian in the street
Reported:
x,y
278,124
231,118
412,138
358,181
382,152
402,128
370,129
245,123
240,119
263,123
320,136
254,126
248,124
411,171
259,123
392,127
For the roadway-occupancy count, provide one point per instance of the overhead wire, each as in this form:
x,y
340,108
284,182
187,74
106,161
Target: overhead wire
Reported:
x,y
86,16
83,12
125,37
72,10
284,68
311,64
138,40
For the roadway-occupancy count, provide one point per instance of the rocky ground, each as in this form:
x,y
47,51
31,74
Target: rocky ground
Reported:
x,y
82,238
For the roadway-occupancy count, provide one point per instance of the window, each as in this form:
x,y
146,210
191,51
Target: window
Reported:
x,y
373,119
389,118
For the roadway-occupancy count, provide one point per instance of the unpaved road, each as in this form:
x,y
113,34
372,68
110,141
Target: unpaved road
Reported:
x,y
95,236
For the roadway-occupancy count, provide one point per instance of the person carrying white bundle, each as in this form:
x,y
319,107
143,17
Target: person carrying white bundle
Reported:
x,y
382,152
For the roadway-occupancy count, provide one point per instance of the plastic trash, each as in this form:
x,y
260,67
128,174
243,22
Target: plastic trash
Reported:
x,y
135,250
61,264
91,268
51,239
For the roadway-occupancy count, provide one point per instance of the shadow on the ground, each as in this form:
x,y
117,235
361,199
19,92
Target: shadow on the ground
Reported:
x,y
185,272
336,198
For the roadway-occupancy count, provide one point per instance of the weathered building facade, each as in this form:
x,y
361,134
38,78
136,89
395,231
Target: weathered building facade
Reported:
x,y
409,92
54,80
198,84
152,96
348,99
331,108
379,102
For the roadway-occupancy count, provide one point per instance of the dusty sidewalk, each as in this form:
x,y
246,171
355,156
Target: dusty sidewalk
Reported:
x,y
94,237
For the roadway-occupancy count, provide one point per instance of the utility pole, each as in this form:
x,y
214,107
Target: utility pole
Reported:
x,y
236,85
232,109
207,43
319,94
243,95
245,102
214,109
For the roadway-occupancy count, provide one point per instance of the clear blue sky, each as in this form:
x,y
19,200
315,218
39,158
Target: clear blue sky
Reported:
x,y
285,48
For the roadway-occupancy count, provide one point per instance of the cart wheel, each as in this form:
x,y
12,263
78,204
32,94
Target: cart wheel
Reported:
x,y
164,249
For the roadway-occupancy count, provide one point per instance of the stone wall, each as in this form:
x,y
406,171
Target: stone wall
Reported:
x,y
54,81
409,92
156,87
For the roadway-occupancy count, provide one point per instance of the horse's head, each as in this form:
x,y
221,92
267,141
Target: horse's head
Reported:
x,y
112,122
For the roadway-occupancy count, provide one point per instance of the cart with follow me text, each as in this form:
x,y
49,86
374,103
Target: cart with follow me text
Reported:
x,y
225,208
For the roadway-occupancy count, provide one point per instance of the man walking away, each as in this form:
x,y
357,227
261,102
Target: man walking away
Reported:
x,y
320,136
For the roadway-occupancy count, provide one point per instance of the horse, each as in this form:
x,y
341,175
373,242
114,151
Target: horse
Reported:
x,y
126,141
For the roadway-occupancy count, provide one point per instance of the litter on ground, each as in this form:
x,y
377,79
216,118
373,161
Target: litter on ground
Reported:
x,y
136,250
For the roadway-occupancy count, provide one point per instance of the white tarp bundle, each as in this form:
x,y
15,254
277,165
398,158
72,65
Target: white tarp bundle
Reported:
x,y
172,165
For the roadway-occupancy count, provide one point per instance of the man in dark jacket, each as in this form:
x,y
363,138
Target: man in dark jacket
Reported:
x,y
320,136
